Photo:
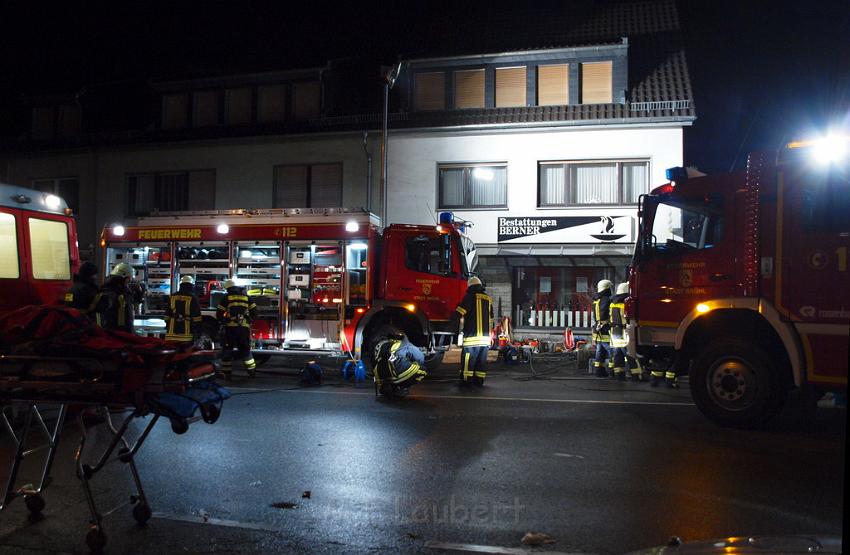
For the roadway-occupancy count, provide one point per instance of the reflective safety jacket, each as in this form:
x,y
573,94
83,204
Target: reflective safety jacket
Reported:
x,y
477,311
113,306
619,322
399,361
183,314
235,309
81,296
601,316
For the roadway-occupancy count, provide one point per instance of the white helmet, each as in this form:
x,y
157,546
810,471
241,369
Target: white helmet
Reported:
x,y
228,283
623,288
603,285
124,270
187,279
473,281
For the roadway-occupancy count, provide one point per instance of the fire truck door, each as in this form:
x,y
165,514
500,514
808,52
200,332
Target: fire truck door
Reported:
x,y
813,239
692,257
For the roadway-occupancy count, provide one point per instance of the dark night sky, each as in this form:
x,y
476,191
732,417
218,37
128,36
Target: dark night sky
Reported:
x,y
761,70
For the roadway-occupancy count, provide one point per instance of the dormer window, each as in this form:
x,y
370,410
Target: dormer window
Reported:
x,y
469,88
205,109
429,91
175,109
306,100
596,83
238,106
510,86
553,85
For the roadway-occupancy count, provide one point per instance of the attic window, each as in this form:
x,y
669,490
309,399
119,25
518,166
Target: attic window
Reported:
x,y
596,83
306,100
469,88
205,109
510,86
553,85
429,91
175,111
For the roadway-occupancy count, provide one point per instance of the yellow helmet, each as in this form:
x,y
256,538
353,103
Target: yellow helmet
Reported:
x,y
124,270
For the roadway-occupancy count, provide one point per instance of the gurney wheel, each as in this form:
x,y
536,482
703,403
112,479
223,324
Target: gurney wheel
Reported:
x,y
142,513
35,503
179,426
210,413
96,539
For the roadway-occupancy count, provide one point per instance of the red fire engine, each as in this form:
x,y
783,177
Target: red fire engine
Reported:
x,y
741,280
324,280
38,247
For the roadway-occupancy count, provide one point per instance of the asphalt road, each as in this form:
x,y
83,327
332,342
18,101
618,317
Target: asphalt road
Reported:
x,y
600,466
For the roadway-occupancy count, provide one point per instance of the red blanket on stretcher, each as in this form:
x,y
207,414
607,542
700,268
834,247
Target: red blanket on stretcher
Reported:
x,y
57,331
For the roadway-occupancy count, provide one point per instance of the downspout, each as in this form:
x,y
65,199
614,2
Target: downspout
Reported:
x,y
368,171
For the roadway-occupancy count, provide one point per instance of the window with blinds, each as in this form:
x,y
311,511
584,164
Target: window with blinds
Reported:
x,y
171,191
553,85
596,87
469,88
238,107
473,186
306,100
572,183
271,102
510,86
308,186
429,91
205,109
175,111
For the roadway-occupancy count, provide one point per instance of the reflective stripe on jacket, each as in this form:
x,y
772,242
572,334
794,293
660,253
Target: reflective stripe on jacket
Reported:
x,y
477,311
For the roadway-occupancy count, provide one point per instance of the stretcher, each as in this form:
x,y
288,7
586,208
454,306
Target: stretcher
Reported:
x,y
54,362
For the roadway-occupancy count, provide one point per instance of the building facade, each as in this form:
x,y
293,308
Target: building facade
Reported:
x,y
545,150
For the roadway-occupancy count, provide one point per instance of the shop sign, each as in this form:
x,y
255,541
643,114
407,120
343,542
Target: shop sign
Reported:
x,y
565,229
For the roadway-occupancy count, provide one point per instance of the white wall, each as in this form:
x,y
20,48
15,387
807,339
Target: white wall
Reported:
x,y
413,159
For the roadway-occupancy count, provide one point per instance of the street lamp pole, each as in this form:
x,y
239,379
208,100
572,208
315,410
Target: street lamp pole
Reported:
x,y
389,80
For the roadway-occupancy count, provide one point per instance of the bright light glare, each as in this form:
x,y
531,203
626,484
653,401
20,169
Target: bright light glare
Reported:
x,y
52,202
484,174
702,308
358,246
410,307
352,227
222,228
831,148
118,230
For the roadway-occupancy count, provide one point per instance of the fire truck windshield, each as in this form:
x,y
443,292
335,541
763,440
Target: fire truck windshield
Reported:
x,y
686,225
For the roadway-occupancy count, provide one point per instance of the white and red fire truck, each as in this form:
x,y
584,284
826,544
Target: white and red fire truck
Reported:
x,y
38,247
324,280
741,280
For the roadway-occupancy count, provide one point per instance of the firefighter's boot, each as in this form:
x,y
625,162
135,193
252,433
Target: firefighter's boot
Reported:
x,y
600,370
656,378
620,374
671,380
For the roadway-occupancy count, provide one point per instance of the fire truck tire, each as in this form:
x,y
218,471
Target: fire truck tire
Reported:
x,y
736,383
432,362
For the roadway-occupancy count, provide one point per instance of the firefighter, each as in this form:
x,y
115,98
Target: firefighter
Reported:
x,y
398,365
620,337
113,305
82,294
234,312
601,329
183,313
476,309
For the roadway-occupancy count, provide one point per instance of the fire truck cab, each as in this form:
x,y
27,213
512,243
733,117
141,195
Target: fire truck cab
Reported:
x,y
324,280
740,280
38,247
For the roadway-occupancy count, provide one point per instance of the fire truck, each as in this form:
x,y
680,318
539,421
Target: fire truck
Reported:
x,y
38,247
740,280
324,280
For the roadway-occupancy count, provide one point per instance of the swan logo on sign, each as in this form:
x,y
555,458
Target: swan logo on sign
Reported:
x,y
565,229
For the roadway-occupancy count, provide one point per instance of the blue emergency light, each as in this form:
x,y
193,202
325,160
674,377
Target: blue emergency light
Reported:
x,y
677,174
447,218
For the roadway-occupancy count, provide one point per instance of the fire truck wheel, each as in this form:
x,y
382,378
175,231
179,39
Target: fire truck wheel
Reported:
x,y
432,362
736,383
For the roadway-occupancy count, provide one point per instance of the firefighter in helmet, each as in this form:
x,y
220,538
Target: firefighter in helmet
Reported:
x,y
82,294
602,329
234,312
398,365
183,313
476,309
620,337
113,305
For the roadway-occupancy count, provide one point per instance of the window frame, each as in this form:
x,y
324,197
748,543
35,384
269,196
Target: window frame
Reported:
x,y
157,184
32,257
445,255
309,167
569,202
468,167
